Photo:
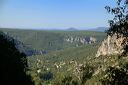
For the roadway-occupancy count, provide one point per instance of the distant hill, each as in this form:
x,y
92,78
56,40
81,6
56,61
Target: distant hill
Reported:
x,y
99,29
72,29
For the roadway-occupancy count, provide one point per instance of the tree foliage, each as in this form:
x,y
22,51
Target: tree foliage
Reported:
x,y
115,76
13,63
119,24
87,72
46,76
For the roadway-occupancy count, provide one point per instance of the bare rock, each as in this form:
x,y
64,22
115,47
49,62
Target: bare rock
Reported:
x,y
112,45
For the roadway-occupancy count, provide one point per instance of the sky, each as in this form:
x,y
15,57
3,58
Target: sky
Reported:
x,y
52,14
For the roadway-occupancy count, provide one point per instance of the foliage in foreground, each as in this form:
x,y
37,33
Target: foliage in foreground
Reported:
x,y
119,24
13,63
116,76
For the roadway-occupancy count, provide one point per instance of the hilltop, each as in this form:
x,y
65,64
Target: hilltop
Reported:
x,y
72,29
99,29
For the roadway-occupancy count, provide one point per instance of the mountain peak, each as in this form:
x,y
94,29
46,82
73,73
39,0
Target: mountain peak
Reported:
x,y
72,29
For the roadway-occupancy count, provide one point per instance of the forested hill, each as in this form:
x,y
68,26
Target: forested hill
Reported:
x,y
52,40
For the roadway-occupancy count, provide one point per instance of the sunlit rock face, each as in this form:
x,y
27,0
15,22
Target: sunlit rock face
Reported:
x,y
113,45
83,40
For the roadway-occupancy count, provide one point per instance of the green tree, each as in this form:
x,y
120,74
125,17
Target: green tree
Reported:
x,y
115,76
13,63
86,73
119,23
69,80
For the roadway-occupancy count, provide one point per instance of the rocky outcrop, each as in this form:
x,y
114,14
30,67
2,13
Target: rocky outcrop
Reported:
x,y
113,45
83,40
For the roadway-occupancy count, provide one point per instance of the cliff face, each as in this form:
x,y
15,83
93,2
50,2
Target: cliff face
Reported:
x,y
113,45
83,40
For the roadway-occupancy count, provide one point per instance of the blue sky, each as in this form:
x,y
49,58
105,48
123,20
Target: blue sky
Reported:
x,y
54,13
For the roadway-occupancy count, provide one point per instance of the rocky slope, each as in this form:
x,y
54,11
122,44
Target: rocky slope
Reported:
x,y
112,45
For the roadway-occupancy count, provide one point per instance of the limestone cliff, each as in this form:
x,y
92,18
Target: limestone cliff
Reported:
x,y
113,45
83,40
